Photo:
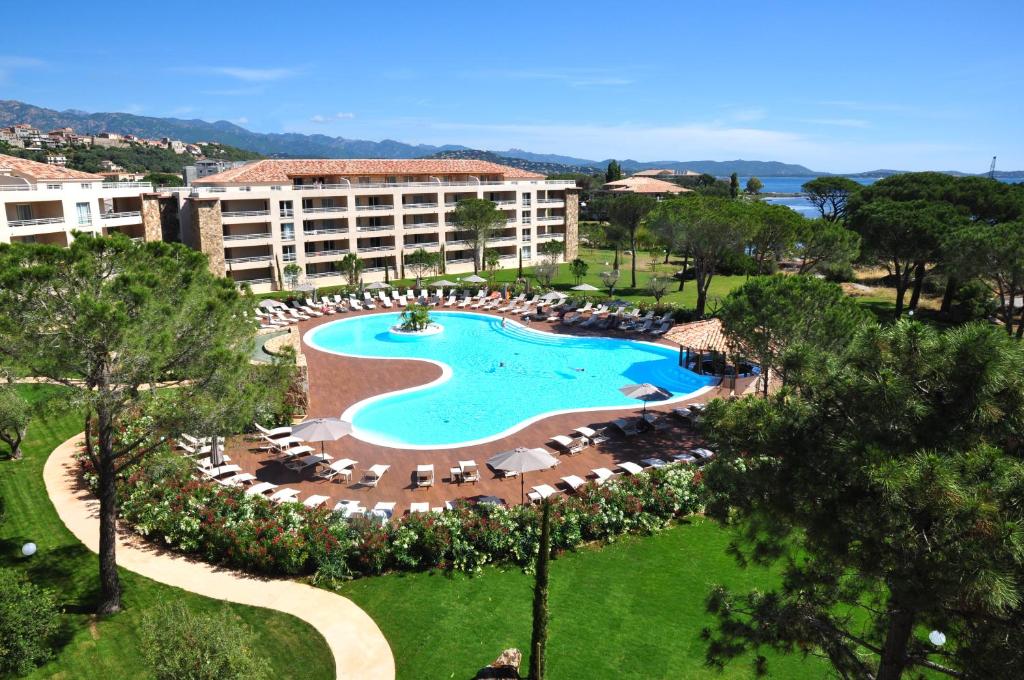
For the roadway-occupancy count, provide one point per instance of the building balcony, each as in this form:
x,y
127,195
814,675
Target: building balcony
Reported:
x,y
414,246
231,214
461,242
40,221
375,207
504,203
123,215
338,252
324,232
495,239
459,260
549,235
323,275
288,257
551,218
286,212
375,249
128,185
247,237
327,209
252,282
418,206
550,201
507,256
386,227
245,262
420,225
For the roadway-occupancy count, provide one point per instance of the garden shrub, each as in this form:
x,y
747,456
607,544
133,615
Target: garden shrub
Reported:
x,y
974,301
28,623
223,525
179,643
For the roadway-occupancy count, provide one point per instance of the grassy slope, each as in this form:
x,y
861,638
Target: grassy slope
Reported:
x,y
634,609
110,648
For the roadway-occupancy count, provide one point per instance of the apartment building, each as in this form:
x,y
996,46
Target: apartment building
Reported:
x,y
46,203
254,220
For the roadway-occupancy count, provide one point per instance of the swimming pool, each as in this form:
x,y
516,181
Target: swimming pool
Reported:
x,y
494,380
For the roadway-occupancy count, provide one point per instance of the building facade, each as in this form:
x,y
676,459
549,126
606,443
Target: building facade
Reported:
x,y
256,219
45,203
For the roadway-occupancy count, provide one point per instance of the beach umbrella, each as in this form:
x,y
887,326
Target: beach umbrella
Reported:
x,y
443,283
272,304
646,392
216,454
553,295
523,460
322,430
473,278
376,286
585,286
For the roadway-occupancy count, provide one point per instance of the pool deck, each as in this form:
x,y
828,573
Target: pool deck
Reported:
x,y
337,382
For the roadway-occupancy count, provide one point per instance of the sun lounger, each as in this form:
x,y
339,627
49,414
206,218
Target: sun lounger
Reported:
x,y
260,488
629,427
419,507
542,491
631,468
367,301
199,441
469,471
574,482
285,495
425,475
294,452
372,476
658,422
703,454
339,468
315,501
353,303
383,510
661,330
237,479
684,458
451,301
300,464
193,451
275,433
349,509
602,475
654,462
570,445
208,461
210,473
593,436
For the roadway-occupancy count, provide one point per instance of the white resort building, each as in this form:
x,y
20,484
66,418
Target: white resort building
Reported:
x,y
255,219
44,203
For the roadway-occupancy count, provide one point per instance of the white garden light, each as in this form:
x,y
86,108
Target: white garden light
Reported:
x,y
29,549
937,638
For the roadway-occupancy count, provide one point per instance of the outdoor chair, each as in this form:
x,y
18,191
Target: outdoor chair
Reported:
x,y
372,476
425,475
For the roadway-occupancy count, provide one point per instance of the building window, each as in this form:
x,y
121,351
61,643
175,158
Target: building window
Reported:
x,y
84,213
24,212
526,198
288,231
527,252
307,203
288,253
87,185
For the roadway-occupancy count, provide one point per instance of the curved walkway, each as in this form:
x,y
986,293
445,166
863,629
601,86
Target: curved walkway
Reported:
x,y
360,650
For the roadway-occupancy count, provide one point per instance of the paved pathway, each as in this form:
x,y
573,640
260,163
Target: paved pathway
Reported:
x,y
360,650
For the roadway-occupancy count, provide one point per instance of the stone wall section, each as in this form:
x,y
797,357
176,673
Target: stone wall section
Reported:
x,y
572,224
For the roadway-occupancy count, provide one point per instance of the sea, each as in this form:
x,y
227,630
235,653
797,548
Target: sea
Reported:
x,y
792,185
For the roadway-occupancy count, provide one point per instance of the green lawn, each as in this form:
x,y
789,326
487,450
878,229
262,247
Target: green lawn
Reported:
x,y
633,609
96,648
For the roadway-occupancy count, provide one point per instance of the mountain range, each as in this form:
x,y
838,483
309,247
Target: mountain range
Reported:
x,y
297,145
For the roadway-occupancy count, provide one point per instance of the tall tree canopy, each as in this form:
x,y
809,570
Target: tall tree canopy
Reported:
x,y
614,171
772,318
480,218
111,319
775,232
885,481
715,229
420,261
830,195
821,243
627,212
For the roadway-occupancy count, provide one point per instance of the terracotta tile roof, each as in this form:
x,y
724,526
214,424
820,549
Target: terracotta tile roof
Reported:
x,y
653,172
36,172
645,185
701,336
282,171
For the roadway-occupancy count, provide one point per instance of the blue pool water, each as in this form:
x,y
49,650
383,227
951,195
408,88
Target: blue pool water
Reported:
x,y
499,378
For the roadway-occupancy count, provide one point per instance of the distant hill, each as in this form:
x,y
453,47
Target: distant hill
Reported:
x,y
533,166
194,130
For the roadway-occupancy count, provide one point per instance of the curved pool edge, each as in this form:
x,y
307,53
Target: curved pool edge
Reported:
x,y
447,373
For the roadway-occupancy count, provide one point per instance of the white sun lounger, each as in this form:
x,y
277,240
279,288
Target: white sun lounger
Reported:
x,y
353,303
684,458
285,495
339,468
274,433
236,480
315,501
703,454
654,462
293,452
372,476
212,473
540,492
260,488
628,427
419,507
349,508
385,301
570,445
208,461
469,471
592,435
425,475
300,464
574,482
631,467
602,475
384,510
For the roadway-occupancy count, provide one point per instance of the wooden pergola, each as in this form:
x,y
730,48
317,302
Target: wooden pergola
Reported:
x,y
704,338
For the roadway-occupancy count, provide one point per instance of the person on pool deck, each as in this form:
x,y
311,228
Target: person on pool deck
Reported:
x,y
502,322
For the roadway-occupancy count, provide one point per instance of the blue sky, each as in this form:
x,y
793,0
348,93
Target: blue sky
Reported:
x,y
834,86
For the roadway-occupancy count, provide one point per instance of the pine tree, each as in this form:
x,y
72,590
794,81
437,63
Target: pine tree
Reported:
x,y
734,185
614,171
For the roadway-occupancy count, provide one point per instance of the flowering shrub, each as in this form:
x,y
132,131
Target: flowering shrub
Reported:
x,y
223,525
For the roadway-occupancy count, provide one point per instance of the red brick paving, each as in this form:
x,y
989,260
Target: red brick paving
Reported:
x,y
337,382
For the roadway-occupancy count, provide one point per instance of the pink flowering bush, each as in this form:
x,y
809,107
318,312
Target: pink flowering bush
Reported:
x,y
163,502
